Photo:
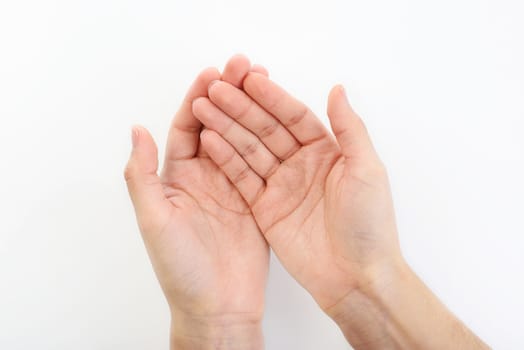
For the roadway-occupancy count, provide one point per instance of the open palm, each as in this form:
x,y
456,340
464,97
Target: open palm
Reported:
x,y
205,246
323,205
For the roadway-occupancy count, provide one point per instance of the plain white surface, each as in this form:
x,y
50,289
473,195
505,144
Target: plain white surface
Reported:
x,y
439,84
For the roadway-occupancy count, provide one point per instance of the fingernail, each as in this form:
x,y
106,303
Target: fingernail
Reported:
x,y
134,136
343,92
258,68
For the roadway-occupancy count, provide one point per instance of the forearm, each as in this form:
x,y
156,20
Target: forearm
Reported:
x,y
400,312
220,332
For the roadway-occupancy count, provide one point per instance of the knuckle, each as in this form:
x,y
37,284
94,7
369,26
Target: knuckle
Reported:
x,y
250,149
265,94
228,159
272,102
228,102
274,167
241,175
291,151
268,129
342,132
242,111
129,172
253,200
298,116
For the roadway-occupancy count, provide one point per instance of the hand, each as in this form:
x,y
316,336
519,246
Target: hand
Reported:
x,y
205,247
324,206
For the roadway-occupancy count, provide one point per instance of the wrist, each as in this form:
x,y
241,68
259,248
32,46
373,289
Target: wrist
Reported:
x,y
363,313
225,331
396,310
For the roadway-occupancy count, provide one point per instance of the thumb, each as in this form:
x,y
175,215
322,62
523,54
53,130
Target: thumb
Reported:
x,y
145,189
349,129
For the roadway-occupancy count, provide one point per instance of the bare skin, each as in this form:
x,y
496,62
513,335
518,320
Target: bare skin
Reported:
x,y
323,203
246,165
206,249
316,207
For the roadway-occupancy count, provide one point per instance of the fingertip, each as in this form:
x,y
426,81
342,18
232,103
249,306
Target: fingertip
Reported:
x,y
143,158
236,69
199,88
135,135
207,135
203,81
337,91
204,134
129,169
238,59
144,148
182,140
338,101
348,127
209,74
212,143
144,185
211,84
252,81
218,88
254,75
140,136
260,69
197,104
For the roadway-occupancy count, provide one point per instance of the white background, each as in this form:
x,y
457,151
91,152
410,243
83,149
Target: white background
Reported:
x,y
439,83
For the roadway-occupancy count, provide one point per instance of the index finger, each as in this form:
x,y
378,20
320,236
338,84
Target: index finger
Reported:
x,y
184,133
291,113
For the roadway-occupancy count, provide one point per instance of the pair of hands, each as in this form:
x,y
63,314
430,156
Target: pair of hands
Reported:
x,y
263,172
